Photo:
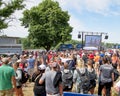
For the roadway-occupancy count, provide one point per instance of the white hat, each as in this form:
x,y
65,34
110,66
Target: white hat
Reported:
x,y
19,60
30,55
42,67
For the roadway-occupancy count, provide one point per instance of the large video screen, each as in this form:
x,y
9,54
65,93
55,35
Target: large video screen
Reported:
x,y
93,40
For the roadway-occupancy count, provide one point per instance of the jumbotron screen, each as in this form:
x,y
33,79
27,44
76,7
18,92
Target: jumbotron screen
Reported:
x,y
93,40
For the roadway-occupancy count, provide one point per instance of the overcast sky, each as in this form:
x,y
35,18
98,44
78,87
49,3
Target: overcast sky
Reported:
x,y
85,15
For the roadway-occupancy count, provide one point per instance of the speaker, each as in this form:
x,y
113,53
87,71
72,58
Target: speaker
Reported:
x,y
79,35
106,37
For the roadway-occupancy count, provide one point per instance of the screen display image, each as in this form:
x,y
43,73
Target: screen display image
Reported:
x,y
93,40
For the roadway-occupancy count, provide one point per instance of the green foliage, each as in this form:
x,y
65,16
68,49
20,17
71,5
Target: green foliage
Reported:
x,y
48,24
6,10
26,43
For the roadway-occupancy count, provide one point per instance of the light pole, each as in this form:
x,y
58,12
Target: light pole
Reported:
x,y
79,36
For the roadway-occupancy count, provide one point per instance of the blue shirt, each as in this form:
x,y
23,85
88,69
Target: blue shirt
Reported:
x,y
31,62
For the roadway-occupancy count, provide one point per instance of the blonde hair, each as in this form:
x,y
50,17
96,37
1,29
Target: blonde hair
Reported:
x,y
80,63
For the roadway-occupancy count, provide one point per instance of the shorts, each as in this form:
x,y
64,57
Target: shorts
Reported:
x,y
6,92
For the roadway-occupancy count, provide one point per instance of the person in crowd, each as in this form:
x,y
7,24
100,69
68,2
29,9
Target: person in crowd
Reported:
x,y
92,75
10,62
67,77
114,59
39,89
71,62
96,57
80,67
106,77
31,63
7,79
50,77
14,58
44,58
24,62
61,65
118,66
18,77
85,57
91,56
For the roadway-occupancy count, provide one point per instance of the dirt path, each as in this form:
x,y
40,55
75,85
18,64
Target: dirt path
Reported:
x,y
28,91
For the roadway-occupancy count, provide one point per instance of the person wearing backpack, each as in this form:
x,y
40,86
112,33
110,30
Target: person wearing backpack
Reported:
x,y
81,78
92,75
106,77
18,77
39,89
53,81
67,78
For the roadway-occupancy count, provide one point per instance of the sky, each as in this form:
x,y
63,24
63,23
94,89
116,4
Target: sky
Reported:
x,y
85,15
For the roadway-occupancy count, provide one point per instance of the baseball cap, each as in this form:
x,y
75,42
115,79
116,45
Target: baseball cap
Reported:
x,y
42,67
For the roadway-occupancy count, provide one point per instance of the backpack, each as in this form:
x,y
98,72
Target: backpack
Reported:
x,y
85,80
92,75
116,74
57,79
67,79
71,64
25,76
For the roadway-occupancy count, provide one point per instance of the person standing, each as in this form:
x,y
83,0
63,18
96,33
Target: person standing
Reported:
x,y
7,79
31,63
80,73
18,77
106,77
92,76
50,77
39,89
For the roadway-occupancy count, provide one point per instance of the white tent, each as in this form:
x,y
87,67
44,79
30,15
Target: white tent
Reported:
x,y
90,48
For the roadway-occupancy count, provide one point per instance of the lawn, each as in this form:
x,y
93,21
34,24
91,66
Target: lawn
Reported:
x,y
28,91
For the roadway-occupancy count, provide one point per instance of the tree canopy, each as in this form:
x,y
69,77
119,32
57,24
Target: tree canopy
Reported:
x,y
47,23
6,10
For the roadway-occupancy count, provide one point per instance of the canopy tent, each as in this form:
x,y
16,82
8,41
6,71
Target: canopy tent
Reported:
x,y
90,48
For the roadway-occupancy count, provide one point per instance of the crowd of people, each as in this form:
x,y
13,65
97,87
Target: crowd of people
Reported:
x,y
56,72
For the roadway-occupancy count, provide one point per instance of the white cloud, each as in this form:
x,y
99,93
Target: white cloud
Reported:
x,y
72,6
97,5
15,29
116,2
77,26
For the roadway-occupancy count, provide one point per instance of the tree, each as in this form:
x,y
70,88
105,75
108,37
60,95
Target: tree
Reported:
x,y
26,43
6,10
47,23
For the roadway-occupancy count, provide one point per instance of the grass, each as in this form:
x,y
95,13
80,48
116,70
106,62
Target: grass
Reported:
x,y
28,91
